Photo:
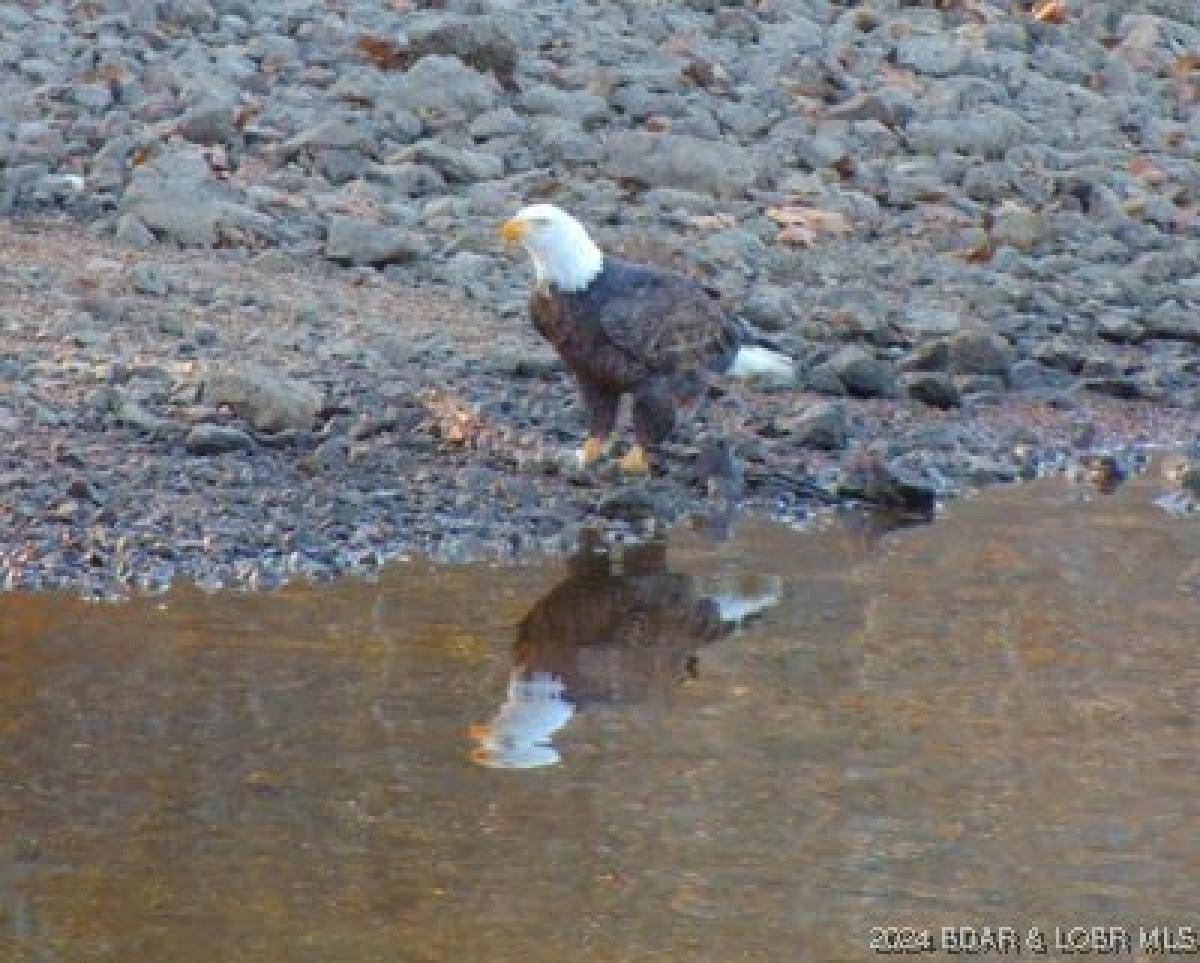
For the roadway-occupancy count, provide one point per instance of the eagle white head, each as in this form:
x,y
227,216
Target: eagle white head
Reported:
x,y
559,246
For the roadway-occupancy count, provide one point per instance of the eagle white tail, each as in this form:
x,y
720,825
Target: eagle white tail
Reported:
x,y
755,361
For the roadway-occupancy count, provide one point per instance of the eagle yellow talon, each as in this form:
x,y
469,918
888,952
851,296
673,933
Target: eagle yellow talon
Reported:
x,y
592,451
634,462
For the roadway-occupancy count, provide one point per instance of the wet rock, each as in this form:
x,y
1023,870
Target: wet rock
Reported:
x,y
216,440
869,477
269,401
353,241
678,160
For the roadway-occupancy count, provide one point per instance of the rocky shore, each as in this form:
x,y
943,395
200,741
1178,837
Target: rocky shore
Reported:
x,y
255,322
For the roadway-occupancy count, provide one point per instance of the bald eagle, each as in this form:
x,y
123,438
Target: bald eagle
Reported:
x,y
625,328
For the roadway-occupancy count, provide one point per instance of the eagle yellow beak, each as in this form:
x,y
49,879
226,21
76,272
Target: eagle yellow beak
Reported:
x,y
513,230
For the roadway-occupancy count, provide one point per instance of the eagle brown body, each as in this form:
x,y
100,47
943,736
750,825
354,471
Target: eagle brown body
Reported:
x,y
636,330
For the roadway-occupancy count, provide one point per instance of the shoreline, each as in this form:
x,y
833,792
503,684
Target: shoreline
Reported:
x,y
438,431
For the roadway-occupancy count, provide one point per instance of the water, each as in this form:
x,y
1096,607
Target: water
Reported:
x,y
990,720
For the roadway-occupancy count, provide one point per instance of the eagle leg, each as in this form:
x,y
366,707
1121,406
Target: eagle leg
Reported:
x,y
653,414
601,408
634,461
653,421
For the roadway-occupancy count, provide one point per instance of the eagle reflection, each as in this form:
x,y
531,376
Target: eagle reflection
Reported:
x,y
621,628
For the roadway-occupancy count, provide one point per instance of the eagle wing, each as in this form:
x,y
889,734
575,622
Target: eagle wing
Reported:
x,y
665,321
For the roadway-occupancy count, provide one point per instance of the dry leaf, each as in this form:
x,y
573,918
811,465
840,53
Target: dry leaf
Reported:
x,y
979,255
903,79
800,225
810,217
796,234
383,53
247,114
1050,11
1146,170
1184,67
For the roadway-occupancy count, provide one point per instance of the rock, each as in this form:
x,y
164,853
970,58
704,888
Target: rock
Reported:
x,y
210,122
987,132
980,352
178,204
442,85
934,55
409,179
678,160
268,401
129,412
925,320
822,426
356,242
208,439
335,133
863,375
823,379
1060,353
585,109
1172,321
149,278
457,165
480,41
868,476
1030,375
1017,226
503,122
131,231
893,108
768,307
933,388
1121,328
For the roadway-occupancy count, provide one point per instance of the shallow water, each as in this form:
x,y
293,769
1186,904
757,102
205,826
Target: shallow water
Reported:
x,y
990,720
